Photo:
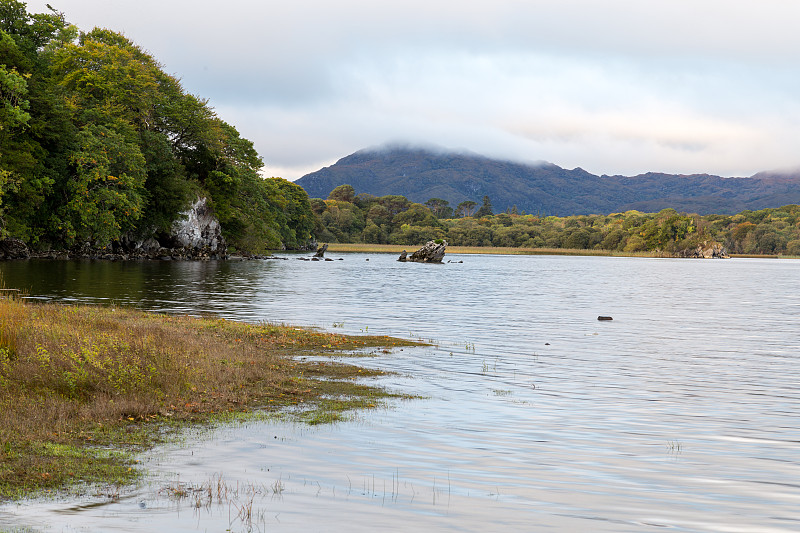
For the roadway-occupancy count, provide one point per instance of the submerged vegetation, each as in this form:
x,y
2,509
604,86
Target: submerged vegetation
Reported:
x,y
346,217
99,144
82,387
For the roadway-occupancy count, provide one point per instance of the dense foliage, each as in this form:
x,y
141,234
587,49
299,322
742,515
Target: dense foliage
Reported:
x,y
347,217
98,142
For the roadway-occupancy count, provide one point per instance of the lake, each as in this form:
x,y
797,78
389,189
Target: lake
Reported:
x,y
682,413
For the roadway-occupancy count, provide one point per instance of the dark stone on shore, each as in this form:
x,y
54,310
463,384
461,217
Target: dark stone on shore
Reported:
x,y
14,249
605,318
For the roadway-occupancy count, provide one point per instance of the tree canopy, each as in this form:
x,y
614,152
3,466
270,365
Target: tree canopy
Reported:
x,y
97,142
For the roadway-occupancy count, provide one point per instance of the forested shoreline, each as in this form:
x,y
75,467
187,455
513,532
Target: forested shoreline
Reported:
x,y
98,143
347,217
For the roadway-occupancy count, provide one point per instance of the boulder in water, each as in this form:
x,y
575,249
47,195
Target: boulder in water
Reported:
x,y
432,252
321,251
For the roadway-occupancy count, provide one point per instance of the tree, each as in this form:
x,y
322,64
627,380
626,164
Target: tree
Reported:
x,y
415,215
466,208
97,141
394,203
343,193
296,218
439,207
486,209
105,193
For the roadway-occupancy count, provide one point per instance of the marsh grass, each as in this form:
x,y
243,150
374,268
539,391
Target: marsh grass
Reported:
x,y
82,388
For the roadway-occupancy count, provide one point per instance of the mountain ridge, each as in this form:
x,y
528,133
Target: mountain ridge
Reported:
x,y
421,173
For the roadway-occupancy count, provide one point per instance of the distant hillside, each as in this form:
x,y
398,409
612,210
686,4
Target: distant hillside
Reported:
x,y
421,174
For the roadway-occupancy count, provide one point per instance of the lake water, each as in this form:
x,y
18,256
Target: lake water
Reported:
x,y
683,413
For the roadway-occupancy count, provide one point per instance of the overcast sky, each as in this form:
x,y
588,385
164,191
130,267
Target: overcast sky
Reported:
x,y
612,86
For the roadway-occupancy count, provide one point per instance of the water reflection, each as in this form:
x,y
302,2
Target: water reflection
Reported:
x,y
682,412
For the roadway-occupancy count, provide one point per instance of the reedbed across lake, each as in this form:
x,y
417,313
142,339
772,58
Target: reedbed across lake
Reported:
x,y
683,412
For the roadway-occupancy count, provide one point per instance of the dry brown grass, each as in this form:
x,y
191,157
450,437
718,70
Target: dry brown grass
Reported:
x,y
75,376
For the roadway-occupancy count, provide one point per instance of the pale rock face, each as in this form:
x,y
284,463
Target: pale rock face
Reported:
x,y
200,229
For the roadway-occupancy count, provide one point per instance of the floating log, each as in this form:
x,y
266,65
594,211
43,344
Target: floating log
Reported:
x,y
605,318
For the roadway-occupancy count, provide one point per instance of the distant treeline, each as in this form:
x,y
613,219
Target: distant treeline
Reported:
x,y
347,217
97,142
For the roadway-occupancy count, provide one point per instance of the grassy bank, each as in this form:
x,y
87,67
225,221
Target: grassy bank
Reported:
x,y
397,248
84,388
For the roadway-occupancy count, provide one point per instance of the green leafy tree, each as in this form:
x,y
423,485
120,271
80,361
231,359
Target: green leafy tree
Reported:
x,y
379,215
415,215
106,192
374,234
394,204
466,208
439,207
343,193
296,220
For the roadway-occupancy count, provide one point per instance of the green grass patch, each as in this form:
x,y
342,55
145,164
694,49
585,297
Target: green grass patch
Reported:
x,y
83,388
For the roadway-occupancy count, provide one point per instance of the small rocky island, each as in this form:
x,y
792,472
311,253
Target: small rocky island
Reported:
x,y
432,252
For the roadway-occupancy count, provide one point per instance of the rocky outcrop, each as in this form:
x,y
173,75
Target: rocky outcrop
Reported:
x,y
200,230
321,251
13,249
432,252
197,234
706,250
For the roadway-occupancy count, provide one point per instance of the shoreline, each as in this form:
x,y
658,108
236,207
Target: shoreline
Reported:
x,y
366,248
84,389
490,250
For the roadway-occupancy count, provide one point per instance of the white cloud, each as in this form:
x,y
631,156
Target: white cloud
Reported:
x,y
620,86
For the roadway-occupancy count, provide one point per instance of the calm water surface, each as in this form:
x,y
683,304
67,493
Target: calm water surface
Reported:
x,y
683,413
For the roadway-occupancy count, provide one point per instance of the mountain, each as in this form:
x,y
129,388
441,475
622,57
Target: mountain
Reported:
x,y
420,174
